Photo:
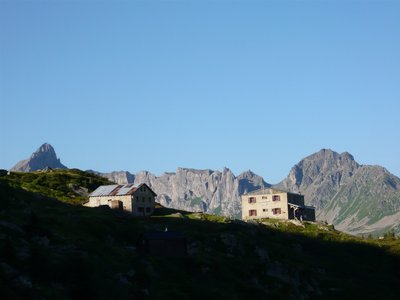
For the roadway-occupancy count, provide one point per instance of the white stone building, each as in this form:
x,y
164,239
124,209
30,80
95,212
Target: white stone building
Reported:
x,y
277,204
138,200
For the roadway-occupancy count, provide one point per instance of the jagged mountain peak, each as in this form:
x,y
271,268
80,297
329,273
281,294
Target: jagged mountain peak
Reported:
x,y
44,157
248,173
329,154
351,196
45,147
250,181
180,170
317,166
46,150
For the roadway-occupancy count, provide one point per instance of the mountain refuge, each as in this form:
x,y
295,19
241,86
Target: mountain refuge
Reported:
x,y
136,199
277,204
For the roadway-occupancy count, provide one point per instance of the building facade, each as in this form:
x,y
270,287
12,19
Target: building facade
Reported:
x,y
138,200
277,204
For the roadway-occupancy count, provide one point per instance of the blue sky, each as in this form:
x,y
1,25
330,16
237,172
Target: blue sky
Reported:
x,y
156,85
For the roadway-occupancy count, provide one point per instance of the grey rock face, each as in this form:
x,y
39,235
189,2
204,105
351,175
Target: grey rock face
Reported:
x,y
216,192
249,181
369,203
120,177
199,190
320,175
355,198
44,157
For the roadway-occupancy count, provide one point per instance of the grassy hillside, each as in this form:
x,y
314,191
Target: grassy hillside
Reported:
x,y
53,250
71,186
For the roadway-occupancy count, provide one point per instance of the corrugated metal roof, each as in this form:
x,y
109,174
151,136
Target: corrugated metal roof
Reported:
x,y
103,190
114,190
125,189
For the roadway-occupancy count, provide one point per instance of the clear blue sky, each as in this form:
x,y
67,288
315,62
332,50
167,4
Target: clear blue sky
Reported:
x,y
156,85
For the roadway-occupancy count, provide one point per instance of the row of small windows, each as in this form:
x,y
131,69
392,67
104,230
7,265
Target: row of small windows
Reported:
x,y
275,211
143,199
274,198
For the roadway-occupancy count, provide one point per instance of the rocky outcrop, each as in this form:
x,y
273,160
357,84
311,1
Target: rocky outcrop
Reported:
x,y
249,181
368,203
120,177
43,158
199,190
355,198
320,176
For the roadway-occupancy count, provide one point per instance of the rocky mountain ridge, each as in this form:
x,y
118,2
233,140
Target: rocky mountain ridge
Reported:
x,y
44,157
355,198
119,177
208,191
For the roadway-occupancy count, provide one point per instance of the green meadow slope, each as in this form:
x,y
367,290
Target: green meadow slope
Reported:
x,y
70,186
50,249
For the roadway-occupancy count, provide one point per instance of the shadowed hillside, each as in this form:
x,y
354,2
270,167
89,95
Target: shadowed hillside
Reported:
x,y
53,250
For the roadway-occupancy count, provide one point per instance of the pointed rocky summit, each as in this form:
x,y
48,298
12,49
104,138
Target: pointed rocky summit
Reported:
x,y
358,199
42,158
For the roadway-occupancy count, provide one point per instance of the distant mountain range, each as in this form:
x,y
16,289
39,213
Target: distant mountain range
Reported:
x,y
356,198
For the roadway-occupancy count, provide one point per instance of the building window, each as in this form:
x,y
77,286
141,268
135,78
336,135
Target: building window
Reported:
x,y
252,212
149,199
144,189
276,198
140,209
143,199
265,209
137,199
148,209
252,200
265,197
276,211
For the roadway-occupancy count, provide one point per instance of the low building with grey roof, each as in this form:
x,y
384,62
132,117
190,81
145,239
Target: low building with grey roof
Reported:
x,y
139,200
